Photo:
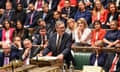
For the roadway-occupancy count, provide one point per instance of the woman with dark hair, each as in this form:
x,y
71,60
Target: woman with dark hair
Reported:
x,y
20,31
98,33
7,32
113,14
20,14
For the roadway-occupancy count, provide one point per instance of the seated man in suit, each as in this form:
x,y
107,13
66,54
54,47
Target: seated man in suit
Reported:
x,y
41,38
113,60
29,51
7,55
32,17
68,11
60,44
98,58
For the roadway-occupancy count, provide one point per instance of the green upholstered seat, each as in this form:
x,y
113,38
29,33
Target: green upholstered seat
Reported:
x,y
81,59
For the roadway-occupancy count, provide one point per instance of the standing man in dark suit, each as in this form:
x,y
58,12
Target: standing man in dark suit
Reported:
x,y
60,44
32,17
7,55
113,61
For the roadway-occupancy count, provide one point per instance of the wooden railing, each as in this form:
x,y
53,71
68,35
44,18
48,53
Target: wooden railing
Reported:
x,y
91,49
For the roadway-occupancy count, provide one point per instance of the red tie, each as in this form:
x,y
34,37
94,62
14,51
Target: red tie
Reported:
x,y
17,1
31,18
114,63
39,5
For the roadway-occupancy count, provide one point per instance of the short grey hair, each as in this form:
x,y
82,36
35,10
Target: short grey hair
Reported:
x,y
59,23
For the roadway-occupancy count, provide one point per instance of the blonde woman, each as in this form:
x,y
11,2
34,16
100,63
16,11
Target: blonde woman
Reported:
x,y
71,26
82,33
99,13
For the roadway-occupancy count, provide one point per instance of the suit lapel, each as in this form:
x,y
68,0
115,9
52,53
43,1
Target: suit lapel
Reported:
x,y
118,65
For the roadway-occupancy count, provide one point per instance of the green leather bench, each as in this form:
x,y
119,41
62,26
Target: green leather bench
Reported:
x,y
81,59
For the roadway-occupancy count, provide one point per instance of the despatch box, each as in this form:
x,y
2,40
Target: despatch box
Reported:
x,y
46,61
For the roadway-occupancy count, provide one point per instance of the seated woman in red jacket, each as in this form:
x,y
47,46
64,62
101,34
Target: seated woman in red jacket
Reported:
x,y
98,33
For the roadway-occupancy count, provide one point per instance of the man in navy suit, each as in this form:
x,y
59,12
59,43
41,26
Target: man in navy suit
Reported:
x,y
99,57
113,60
60,44
7,55
32,17
9,13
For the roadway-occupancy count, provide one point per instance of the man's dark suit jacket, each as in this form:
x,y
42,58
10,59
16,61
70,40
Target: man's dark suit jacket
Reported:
x,y
38,39
23,2
54,4
72,11
33,52
2,3
20,15
65,46
109,61
10,17
101,59
47,17
34,20
13,56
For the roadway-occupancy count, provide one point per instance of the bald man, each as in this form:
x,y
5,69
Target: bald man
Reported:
x,y
7,55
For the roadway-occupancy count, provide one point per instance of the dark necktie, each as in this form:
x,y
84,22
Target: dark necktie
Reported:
x,y
7,14
43,40
58,42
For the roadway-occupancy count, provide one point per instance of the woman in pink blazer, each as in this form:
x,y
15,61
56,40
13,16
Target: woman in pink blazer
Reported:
x,y
7,32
